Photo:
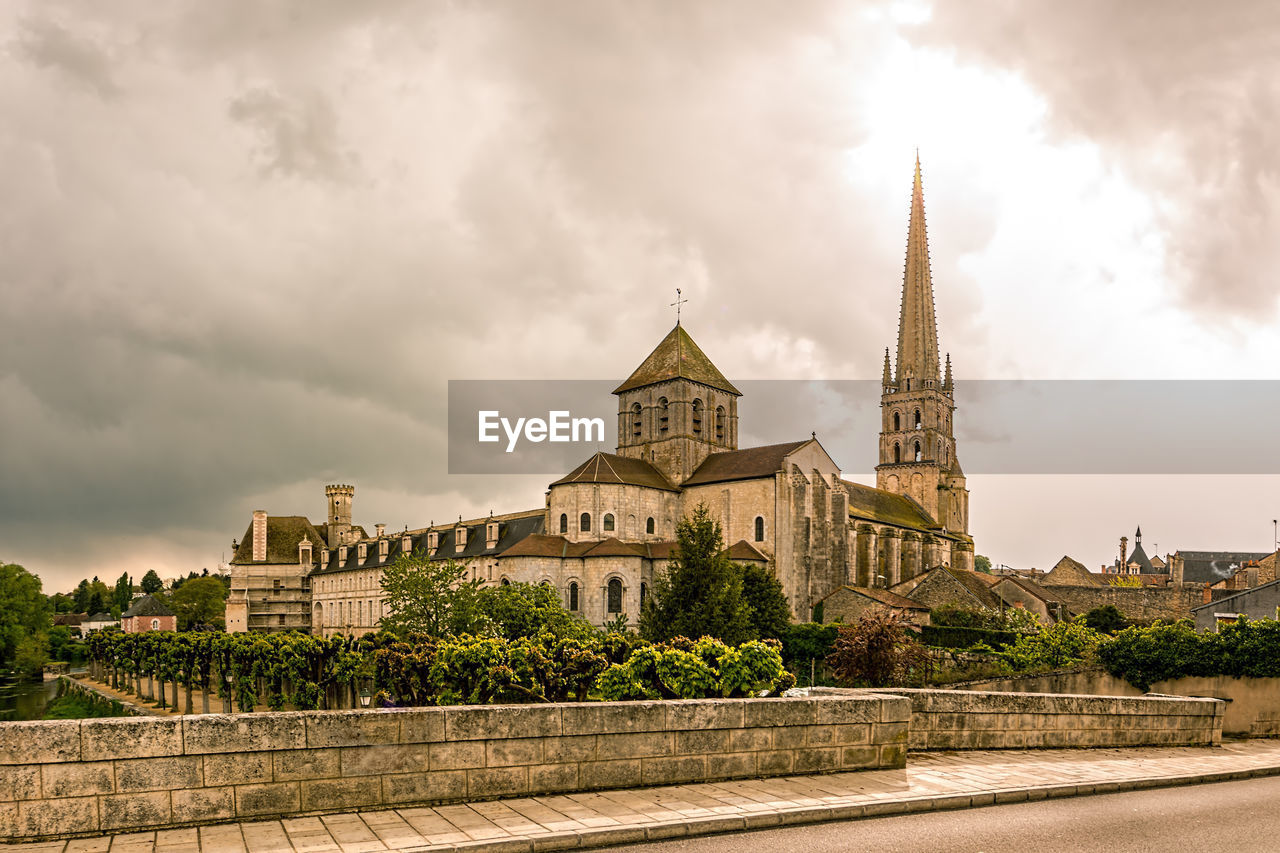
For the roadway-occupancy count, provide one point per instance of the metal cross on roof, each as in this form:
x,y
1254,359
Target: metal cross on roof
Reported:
x,y
676,305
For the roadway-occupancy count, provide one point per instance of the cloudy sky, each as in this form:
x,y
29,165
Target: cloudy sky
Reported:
x,y
244,245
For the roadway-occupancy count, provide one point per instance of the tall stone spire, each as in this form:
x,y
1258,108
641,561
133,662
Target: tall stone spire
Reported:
x,y
917,326
887,380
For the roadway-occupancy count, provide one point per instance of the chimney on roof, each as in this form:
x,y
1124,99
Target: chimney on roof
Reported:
x,y
380,530
1175,569
259,534
1124,553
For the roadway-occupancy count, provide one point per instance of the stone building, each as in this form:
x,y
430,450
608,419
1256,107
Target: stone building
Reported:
x,y
608,525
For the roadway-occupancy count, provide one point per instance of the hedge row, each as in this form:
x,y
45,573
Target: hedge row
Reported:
x,y
949,637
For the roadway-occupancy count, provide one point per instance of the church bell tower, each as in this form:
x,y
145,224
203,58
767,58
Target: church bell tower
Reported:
x,y
917,441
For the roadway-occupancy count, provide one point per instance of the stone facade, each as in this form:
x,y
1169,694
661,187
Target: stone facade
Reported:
x,y
72,777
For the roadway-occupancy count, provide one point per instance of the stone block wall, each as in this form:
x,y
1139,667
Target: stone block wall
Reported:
x,y
961,719
62,778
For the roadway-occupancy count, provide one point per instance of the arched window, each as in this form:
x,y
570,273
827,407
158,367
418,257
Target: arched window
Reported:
x,y
663,419
615,596
759,528
506,582
720,423
584,523
897,452
897,421
635,420
918,451
648,525
608,521
155,623
573,596
644,592
697,417
917,419
564,523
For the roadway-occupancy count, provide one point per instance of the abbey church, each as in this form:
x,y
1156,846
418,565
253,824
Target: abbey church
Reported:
x,y
608,526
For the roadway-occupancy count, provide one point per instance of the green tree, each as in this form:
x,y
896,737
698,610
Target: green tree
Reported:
x,y
80,598
24,619
525,610
1105,619
200,604
981,563
431,597
1063,644
761,589
151,583
122,595
96,604
700,593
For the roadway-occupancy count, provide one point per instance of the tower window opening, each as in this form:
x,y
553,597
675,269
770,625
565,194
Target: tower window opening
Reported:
x,y
897,451
897,421
720,423
635,420
697,417
564,523
573,596
918,456
663,415
917,419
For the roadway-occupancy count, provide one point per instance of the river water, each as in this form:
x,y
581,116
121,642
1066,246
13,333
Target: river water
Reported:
x,y
26,700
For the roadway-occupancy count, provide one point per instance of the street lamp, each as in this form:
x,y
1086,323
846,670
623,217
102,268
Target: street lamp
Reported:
x,y
365,697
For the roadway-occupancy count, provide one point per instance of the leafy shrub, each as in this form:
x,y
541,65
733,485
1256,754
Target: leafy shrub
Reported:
x,y
1068,643
877,651
955,637
693,670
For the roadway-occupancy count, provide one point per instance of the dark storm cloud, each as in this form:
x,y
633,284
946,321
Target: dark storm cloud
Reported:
x,y
1181,96
246,244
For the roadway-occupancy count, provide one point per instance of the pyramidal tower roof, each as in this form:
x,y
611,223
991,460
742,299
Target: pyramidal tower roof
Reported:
x,y
917,326
677,357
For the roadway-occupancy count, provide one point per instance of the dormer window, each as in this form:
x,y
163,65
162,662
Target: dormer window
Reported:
x,y
324,558
491,534
383,545
304,552
363,552
459,539
342,554
433,541
406,545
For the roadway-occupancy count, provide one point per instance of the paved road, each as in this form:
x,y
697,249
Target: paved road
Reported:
x,y
1238,816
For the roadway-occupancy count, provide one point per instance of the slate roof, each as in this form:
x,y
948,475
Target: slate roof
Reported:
x,y
611,468
1140,557
147,606
1213,566
284,532
749,464
1217,602
511,530
872,504
677,357
100,617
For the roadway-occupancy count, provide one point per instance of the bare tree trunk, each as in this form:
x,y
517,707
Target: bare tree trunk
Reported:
x,y
190,708
162,704
204,697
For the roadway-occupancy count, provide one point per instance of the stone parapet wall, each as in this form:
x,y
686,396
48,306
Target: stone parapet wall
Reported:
x,y
961,719
61,778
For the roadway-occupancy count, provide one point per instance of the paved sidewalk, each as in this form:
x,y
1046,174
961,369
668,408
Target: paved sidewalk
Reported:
x,y
932,781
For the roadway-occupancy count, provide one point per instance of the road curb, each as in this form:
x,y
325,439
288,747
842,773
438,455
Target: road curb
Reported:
x,y
610,836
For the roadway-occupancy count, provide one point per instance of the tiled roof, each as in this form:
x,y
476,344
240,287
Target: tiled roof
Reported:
x,y
611,468
743,551
677,357
147,606
883,596
872,504
284,532
749,464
